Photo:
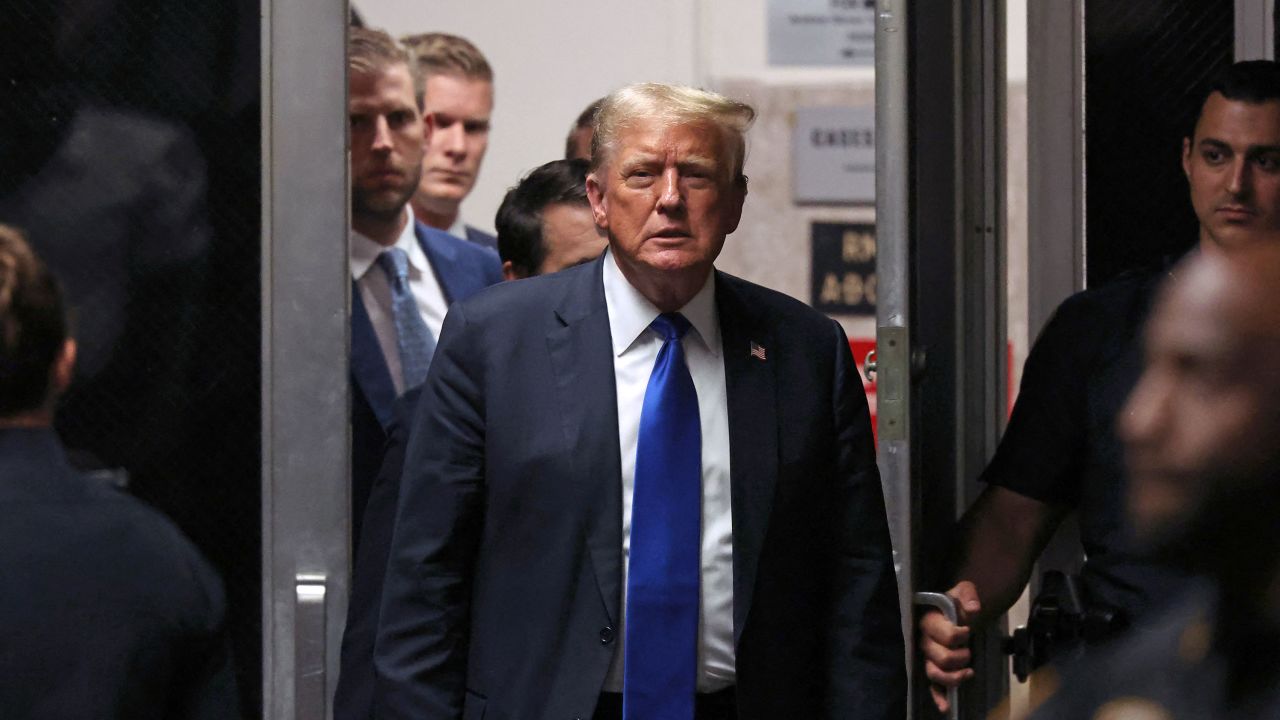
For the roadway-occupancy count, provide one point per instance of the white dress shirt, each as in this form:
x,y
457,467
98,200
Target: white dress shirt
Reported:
x,y
375,291
635,351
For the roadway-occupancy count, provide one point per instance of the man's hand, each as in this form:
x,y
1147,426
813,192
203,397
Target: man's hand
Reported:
x,y
946,646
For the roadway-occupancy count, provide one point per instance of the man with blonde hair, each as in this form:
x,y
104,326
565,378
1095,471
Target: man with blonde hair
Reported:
x,y
641,488
455,90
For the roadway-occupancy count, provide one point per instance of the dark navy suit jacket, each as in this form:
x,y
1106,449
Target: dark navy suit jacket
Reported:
x,y
106,610
503,586
462,269
353,699
482,238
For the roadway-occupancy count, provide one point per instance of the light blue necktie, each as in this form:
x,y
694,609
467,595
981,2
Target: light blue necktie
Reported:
x,y
660,670
413,337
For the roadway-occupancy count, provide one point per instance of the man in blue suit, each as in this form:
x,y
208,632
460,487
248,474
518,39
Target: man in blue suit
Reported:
x,y
641,487
405,274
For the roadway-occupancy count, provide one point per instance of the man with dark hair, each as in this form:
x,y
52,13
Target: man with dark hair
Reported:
x,y
455,90
578,144
1060,451
405,274
108,611
640,487
544,223
1202,444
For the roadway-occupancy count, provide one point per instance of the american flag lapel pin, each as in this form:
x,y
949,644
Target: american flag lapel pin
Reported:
x,y
757,350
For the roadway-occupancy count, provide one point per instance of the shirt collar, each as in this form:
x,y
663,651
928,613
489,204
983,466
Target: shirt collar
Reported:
x,y
630,313
458,229
364,251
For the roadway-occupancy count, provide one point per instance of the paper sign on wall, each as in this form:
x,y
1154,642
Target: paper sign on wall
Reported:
x,y
822,32
833,155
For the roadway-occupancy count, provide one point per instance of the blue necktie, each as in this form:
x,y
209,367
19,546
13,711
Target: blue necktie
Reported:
x,y
413,337
660,670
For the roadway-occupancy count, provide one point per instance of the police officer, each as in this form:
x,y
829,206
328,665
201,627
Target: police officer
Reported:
x,y
1060,452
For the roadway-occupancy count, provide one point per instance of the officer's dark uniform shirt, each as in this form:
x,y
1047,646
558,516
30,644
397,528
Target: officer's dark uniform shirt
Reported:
x,y
1197,660
106,610
1061,448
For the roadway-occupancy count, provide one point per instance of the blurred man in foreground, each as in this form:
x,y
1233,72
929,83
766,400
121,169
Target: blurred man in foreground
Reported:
x,y
1202,439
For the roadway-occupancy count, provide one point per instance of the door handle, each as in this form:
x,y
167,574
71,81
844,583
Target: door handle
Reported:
x,y
309,646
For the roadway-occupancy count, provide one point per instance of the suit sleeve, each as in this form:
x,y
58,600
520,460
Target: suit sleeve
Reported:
x,y
867,657
421,649
353,699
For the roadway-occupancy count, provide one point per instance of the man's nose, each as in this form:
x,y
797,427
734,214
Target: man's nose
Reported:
x,y
669,196
1239,182
381,134
452,139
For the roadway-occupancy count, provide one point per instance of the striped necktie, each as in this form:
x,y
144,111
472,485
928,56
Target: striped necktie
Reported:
x,y
413,338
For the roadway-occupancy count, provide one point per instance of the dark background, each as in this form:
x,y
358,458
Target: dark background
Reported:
x,y
1148,64
130,152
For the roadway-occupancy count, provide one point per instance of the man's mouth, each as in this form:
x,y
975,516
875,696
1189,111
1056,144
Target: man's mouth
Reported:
x,y
1236,213
451,175
384,175
673,233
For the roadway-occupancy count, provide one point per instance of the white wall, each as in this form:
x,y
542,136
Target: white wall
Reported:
x,y
550,60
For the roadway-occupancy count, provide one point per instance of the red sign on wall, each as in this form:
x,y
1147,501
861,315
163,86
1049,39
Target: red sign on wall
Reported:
x,y
862,346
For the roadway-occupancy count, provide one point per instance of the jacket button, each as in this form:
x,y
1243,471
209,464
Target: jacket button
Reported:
x,y
606,635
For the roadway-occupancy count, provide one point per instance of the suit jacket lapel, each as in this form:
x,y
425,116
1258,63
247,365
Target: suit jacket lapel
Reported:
x,y
368,367
751,387
582,358
442,258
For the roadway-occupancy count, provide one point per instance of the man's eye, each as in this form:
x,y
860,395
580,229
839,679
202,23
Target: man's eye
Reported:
x,y
639,178
1212,156
1269,163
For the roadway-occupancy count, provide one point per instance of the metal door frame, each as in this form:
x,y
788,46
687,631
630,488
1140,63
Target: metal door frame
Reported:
x,y
1255,29
305,285
941,310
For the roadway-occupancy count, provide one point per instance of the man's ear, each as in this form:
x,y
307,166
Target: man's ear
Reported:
x,y
511,272
738,196
1186,157
428,127
599,204
64,368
